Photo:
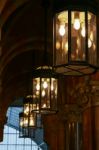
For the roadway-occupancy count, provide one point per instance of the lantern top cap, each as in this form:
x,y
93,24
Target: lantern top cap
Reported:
x,y
21,114
77,4
44,71
28,99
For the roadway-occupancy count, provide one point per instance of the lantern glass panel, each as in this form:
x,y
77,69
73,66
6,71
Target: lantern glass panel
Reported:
x,y
78,36
21,121
26,108
61,38
32,120
25,132
26,121
53,93
92,38
45,93
36,93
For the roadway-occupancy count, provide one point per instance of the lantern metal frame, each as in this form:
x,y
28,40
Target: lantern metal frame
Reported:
x,y
68,64
27,118
45,98
25,130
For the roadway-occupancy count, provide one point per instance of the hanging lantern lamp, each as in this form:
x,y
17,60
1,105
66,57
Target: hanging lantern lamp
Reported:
x,y
44,90
27,125
27,119
75,37
45,80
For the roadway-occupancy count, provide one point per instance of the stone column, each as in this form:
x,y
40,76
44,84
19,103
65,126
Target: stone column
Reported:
x,y
73,127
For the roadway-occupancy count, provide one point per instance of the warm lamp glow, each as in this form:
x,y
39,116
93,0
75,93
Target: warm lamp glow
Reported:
x,y
37,93
57,45
43,93
83,31
45,85
74,33
45,101
52,87
21,123
91,36
89,43
66,47
44,106
26,109
62,30
37,86
25,122
76,24
31,121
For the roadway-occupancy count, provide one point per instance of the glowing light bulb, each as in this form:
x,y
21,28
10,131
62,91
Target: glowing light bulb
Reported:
x,y
37,93
52,87
89,43
48,80
43,93
45,85
31,121
21,123
76,23
37,86
83,31
44,106
66,47
37,107
56,91
91,36
26,110
62,30
34,96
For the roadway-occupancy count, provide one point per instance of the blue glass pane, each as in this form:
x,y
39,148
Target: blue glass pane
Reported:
x,y
19,147
3,147
11,147
12,139
27,141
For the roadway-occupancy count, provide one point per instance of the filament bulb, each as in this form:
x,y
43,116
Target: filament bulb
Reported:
x,y
57,45
26,110
76,24
44,105
37,86
83,31
31,121
89,43
43,93
91,36
21,123
52,87
62,30
45,85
